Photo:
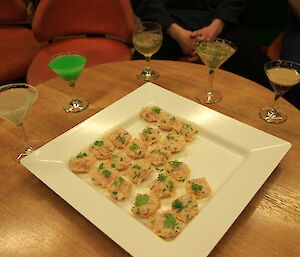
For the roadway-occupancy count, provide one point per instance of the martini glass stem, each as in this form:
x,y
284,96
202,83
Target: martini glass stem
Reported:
x,y
72,85
273,112
23,133
148,68
277,96
211,74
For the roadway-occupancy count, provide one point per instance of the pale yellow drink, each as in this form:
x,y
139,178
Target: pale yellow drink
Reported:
x,y
147,43
282,78
283,75
213,54
14,104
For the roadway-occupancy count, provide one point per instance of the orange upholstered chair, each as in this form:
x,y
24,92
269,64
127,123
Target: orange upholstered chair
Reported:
x,y
100,29
17,44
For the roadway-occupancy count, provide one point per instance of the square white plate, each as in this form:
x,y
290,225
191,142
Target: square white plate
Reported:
x,y
234,157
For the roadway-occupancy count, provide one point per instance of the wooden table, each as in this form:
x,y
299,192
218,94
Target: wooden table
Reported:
x,y
34,221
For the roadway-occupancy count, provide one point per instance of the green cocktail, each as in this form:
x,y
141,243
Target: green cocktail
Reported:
x,y
68,66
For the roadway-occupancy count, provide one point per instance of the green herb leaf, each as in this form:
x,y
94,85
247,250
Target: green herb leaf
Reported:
x,y
133,146
121,139
170,137
100,167
147,131
141,200
196,187
170,184
80,155
118,180
175,164
98,143
106,173
161,178
136,167
177,204
156,110
170,220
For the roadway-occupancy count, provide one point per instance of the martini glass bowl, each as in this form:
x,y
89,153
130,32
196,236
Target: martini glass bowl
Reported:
x,y
68,66
147,40
15,101
213,53
282,75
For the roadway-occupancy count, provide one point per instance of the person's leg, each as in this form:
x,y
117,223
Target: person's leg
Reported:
x,y
249,59
290,50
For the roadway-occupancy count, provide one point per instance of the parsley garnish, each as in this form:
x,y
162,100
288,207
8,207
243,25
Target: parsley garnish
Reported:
x,y
141,200
136,167
100,167
175,164
106,173
118,180
161,178
122,139
113,156
177,204
156,110
98,143
80,155
170,220
170,137
196,187
147,131
133,146
170,184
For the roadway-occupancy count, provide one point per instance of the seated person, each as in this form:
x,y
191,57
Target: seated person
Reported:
x,y
290,48
185,21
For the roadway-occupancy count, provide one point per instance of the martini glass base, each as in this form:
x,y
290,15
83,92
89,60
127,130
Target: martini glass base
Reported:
x,y
76,105
148,75
272,115
20,151
209,97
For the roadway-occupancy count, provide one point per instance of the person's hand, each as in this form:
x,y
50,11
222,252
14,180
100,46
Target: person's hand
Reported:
x,y
211,31
183,37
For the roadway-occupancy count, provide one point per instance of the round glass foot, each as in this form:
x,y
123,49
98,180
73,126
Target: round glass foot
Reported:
x,y
148,75
76,105
272,115
209,97
23,150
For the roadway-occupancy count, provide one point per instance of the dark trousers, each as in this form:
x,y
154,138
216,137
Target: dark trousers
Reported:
x,y
290,50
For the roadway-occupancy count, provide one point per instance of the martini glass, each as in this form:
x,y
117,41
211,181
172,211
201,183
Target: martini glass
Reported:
x,y
68,66
15,101
282,75
213,53
147,39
